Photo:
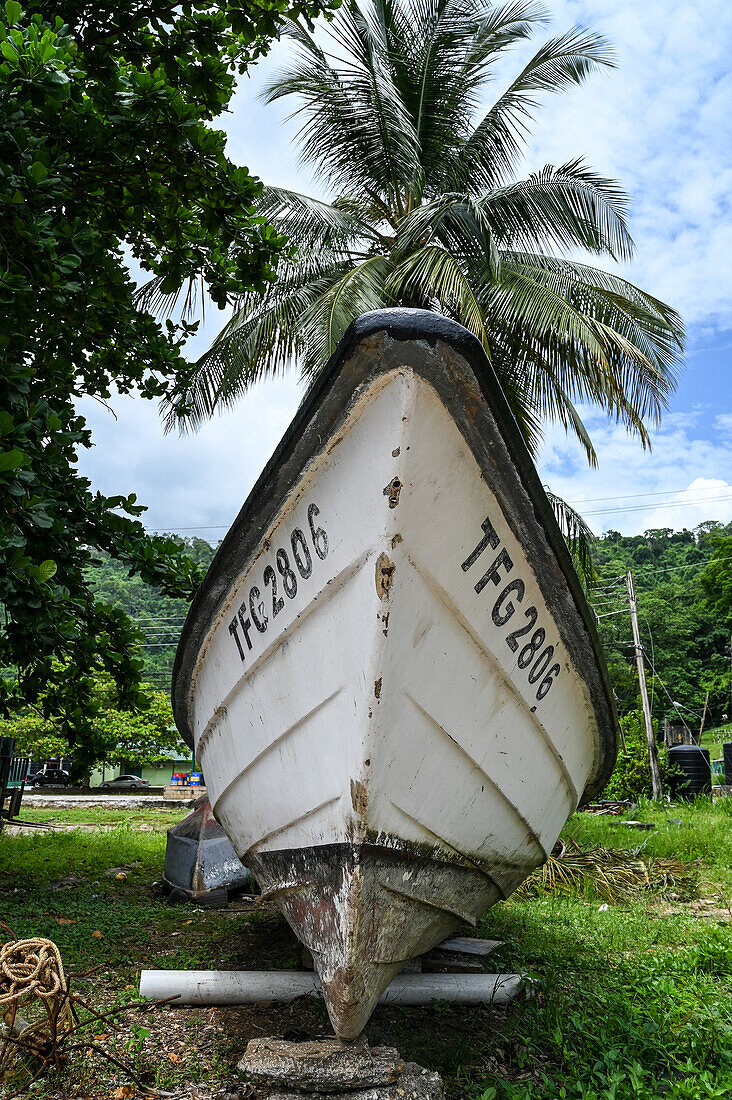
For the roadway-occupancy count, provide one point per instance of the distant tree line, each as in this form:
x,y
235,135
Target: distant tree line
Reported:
x,y
681,580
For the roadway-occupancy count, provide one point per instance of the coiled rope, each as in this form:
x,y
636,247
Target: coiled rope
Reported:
x,y
32,970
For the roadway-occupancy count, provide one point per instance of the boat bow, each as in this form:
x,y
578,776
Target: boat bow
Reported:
x,y
390,674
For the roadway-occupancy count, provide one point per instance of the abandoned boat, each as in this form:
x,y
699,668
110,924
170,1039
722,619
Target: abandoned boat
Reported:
x,y
390,675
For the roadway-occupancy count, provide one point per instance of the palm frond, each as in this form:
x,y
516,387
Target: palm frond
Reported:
x,y
641,342
263,337
313,223
441,58
492,151
524,302
432,274
460,226
188,299
577,535
357,289
355,126
567,207
612,875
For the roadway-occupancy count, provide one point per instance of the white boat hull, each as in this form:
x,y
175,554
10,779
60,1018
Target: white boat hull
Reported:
x,y
386,701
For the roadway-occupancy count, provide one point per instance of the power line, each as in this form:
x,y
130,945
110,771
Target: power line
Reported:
x,y
629,496
163,618
662,504
198,527
581,500
666,569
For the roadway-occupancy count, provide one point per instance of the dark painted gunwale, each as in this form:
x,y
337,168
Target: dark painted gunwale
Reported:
x,y
277,479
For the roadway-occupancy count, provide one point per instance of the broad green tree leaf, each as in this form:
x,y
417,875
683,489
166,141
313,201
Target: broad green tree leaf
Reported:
x,y
12,460
13,12
47,569
84,89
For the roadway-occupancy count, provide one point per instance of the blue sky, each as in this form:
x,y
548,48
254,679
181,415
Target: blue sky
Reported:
x,y
660,123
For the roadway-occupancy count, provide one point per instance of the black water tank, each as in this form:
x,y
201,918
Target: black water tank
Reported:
x,y
727,756
695,764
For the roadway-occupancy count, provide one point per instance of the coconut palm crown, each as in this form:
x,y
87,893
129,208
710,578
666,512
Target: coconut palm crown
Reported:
x,y
426,211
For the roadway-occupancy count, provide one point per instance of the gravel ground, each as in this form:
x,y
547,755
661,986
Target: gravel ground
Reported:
x,y
106,801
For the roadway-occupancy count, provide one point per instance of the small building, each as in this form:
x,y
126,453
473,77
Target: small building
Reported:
x,y
157,775
677,733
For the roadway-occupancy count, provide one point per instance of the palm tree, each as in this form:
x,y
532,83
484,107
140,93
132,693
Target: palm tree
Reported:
x,y
426,212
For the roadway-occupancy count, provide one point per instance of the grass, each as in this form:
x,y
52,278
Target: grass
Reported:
x,y
634,997
713,740
81,815
688,831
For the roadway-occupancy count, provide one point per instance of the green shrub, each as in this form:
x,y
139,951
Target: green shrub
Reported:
x,y
631,777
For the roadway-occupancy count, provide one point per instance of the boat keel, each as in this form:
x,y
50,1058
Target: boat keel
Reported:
x,y
364,910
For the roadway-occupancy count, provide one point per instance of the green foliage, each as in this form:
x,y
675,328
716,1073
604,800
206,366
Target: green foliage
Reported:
x,y
35,736
716,580
158,617
426,211
139,737
631,776
685,637
105,146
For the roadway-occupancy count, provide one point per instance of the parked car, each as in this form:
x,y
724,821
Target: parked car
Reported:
x,y
125,783
53,777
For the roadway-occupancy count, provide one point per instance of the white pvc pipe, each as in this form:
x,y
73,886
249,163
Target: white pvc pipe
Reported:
x,y
460,989
230,987
226,987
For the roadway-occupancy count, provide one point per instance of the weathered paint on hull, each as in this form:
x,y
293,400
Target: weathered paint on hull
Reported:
x,y
364,910
390,674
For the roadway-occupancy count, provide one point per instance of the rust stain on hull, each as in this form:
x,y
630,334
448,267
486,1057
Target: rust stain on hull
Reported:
x,y
384,576
359,797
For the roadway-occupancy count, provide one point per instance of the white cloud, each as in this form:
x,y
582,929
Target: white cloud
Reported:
x,y
685,480
660,123
189,481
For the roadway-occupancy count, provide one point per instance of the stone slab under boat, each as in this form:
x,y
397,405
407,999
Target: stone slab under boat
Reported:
x,y
334,1069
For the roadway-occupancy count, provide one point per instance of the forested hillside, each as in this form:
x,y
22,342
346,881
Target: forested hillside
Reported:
x,y
158,617
686,641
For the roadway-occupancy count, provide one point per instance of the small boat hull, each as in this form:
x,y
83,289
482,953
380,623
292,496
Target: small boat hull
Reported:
x,y
200,864
391,676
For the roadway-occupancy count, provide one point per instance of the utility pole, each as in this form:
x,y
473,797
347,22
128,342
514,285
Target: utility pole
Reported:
x,y
650,739
703,719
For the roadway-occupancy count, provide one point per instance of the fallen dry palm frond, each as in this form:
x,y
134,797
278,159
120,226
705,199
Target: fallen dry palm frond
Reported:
x,y
612,875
